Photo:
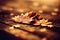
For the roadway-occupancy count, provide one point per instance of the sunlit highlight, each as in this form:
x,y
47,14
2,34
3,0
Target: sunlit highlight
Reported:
x,y
56,9
17,25
12,14
40,11
43,30
11,28
53,13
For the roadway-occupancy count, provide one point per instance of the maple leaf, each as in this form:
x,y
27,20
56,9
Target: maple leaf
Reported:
x,y
44,22
23,19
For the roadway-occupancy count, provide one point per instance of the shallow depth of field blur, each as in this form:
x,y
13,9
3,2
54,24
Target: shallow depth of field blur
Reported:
x,y
30,19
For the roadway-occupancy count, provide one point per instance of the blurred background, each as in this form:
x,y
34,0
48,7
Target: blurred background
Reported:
x,y
46,9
